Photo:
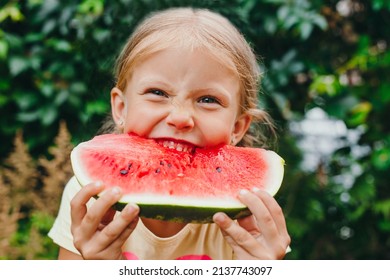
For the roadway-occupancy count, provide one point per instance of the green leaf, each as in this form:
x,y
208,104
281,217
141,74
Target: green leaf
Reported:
x,y
26,99
101,35
47,8
305,29
383,207
3,49
320,21
48,115
94,7
97,107
4,85
12,11
380,4
17,65
326,84
381,158
47,89
283,13
359,113
49,26
42,221
60,45
384,226
316,211
61,97
270,25
78,88
3,100
28,116
384,93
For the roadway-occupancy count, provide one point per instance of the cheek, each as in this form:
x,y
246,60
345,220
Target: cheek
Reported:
x,y
140,119
217,131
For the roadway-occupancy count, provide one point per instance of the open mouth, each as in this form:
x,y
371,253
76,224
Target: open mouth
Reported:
x,y
177,145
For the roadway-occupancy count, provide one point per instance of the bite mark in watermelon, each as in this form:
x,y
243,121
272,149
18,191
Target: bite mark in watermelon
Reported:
x,y
178,186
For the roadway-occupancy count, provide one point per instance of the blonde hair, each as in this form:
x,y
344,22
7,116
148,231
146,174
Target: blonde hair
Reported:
x,y
208,31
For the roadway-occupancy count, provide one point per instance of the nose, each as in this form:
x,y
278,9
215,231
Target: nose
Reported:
x,y
180,118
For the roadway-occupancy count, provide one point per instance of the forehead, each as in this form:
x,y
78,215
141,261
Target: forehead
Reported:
x,y
180,63
166,41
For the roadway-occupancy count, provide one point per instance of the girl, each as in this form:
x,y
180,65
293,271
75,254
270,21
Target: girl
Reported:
x,y
188,79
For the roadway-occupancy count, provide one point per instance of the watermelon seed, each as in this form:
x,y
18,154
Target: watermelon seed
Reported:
x,y
169,165
162,163
219,169
124,172
129,166
158,170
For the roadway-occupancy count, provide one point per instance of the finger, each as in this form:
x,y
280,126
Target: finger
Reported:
x,y
250,225
276,212
117,244
263,215
107,218
79,201
270,219
98,210
128,230
121,227
234,234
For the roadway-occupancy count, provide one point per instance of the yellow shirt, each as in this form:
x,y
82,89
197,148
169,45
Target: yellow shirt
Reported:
x,y
194,241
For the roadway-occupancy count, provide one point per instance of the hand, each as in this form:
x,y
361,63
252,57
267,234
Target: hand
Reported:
x,y
96,233
263,235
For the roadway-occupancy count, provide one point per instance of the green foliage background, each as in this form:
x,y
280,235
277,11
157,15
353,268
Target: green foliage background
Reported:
x,y
56,62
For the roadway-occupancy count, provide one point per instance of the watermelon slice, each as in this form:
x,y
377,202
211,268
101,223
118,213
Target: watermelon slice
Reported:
x,y
167,184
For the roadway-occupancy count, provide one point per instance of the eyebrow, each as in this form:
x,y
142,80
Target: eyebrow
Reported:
x,y
154,83
157,83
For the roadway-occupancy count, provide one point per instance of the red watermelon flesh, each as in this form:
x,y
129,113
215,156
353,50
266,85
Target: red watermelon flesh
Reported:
x,y
172,185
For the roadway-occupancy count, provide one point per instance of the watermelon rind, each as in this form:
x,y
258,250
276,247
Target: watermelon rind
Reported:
x,y
183,210
276,169
184,213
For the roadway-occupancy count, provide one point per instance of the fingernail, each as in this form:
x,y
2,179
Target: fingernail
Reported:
x,y
98,184
255,189
219,217
132,207
243,192
116,190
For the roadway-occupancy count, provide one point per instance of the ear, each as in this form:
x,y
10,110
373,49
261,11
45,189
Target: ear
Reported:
x,y
240,127
118,105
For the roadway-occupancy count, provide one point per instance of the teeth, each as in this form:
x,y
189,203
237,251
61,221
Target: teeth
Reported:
x,y
180,147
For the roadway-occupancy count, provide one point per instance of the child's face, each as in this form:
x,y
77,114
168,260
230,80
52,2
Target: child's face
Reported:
x,y
182,97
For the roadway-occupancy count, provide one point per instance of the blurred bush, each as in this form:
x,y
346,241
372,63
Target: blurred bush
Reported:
x,y
30,193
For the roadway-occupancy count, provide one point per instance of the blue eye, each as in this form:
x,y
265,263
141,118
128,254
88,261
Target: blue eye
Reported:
x,y
209,100
157,92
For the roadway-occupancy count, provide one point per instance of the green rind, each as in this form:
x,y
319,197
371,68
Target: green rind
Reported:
x,y
185,214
